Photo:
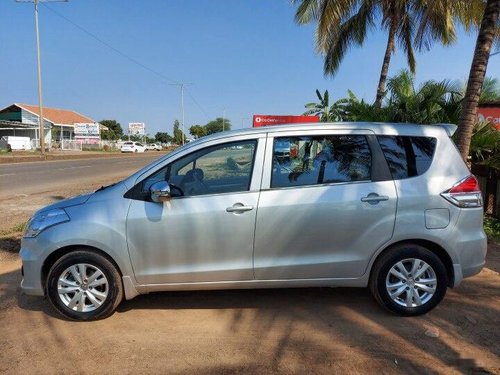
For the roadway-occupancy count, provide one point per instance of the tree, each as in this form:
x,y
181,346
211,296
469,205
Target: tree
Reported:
x,y
218,125
114,131
323,109
163,137
179,136
343,24
432,102
198,131
487,32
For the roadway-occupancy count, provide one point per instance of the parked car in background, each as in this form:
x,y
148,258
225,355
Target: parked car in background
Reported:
x,y
392,207
133,147
153,147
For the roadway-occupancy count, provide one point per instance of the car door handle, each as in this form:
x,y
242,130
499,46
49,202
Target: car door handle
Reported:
x,y
238,207
374,198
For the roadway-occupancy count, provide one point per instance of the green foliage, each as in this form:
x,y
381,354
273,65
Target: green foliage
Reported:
x,y
324,110
133,138
492,228
214,126
433,102
198,131
218,125
147,139
163,137
490,90
343,24
359,110
114,131
178,134
430,103
485,145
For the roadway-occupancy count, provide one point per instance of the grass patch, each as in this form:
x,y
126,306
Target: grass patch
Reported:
x,y
492,228
18,228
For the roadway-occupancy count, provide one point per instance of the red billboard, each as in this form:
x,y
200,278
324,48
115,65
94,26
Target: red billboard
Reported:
x,y
490,114
265,120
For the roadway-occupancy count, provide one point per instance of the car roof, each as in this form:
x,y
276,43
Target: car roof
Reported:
x,y
380,128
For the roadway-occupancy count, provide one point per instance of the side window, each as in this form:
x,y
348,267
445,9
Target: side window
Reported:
x,y
407,156
299,161
219,169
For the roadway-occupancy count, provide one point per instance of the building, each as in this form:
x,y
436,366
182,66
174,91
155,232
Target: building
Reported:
x,y
22,120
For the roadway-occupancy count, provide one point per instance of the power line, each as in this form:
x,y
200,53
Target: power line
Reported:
x,y
198,104
129,58
93,36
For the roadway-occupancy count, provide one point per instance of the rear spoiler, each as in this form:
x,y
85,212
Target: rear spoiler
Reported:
x,y
450,128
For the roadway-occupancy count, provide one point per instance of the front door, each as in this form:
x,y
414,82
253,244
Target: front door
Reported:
x,y
206,231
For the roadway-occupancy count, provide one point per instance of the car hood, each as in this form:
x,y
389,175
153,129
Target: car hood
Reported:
x,y
74,201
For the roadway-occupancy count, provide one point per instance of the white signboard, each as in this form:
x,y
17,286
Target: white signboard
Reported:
x,y
87,130
136,128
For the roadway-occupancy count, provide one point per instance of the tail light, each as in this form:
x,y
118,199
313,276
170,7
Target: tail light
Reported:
x,y
465,193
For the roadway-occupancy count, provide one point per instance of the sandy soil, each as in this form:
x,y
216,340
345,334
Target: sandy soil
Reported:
x,y
261,331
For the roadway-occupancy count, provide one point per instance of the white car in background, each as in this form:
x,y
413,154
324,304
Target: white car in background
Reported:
x,y
132,147
153,147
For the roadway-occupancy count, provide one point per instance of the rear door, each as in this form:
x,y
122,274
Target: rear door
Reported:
x,y
323,209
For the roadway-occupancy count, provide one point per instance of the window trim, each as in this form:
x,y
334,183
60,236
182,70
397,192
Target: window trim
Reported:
x,y
379,169
137,192
436,144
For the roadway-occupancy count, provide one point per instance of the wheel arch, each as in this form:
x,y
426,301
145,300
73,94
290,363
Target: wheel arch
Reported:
x,y
57,254
438,250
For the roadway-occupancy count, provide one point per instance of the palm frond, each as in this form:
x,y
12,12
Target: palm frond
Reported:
x,y
351,32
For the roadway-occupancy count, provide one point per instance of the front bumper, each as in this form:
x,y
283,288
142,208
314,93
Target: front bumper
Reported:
x,y
31,283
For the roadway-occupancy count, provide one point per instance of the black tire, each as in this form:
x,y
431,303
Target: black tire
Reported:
x,y
405,253
113,288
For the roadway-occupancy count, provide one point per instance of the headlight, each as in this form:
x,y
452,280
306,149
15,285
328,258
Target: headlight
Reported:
x,y
44,220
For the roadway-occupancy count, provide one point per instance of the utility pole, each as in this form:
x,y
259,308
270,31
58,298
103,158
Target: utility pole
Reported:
x,y
182,85
39,70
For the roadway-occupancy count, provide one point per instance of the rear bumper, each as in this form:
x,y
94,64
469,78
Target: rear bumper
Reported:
x,y
462,273
471,256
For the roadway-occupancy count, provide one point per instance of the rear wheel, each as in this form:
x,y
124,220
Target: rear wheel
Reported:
x,y
83,285
409,280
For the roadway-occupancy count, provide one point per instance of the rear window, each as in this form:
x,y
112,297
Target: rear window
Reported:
x,y
128,143
407,156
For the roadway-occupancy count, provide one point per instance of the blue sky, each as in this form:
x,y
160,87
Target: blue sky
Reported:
x,y
242,56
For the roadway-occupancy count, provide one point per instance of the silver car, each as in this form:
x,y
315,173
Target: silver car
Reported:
x,y
389,206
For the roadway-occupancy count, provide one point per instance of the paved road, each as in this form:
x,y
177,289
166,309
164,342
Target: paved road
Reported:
x,y
37,177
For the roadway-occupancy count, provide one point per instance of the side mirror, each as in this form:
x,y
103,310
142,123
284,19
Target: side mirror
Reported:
x,y
160,191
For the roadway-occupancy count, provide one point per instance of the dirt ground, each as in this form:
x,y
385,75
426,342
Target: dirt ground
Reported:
x,y
286,331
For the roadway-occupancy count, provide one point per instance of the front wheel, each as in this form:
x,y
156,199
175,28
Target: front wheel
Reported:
x,y
409,280
83,285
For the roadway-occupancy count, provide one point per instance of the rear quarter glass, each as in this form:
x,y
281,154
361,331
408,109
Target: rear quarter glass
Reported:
x,y
407,156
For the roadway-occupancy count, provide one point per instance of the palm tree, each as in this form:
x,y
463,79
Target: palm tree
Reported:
x,y
488,31
344,23
432,102
323,109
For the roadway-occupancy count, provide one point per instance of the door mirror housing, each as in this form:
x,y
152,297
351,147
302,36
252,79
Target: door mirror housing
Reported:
x,y
160,191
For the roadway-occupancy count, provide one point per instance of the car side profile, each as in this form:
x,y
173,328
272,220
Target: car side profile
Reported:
x,y
153,147
392,207
133,147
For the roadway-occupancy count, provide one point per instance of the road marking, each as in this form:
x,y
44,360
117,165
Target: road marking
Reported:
x,y
8,174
